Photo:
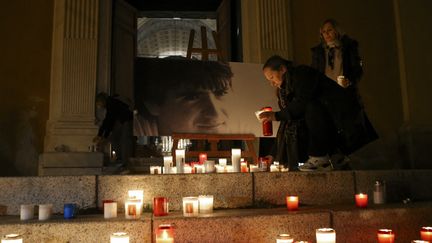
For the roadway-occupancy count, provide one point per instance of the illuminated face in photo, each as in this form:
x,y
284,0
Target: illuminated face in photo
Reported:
x,y
196,111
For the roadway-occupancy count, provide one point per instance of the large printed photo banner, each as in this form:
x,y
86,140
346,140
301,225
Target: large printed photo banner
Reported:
x,y
177,95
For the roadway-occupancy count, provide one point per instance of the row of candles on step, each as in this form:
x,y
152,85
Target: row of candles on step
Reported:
x,y
165,234
328,235
27,211
208,166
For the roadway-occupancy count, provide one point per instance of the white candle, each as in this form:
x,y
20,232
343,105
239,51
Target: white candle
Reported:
x,y
190,206
132,209
326,235
137,194
222,162
180,160
274,168
119,237
229,168
187,169
220,169
12,238
173,170
284,238
168,162
155,170
235,159
209,166
110,210
27,212
253,168
205,203
199,169
45,211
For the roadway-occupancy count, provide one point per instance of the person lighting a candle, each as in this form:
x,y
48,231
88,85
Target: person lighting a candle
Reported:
x,y
314,111
177,95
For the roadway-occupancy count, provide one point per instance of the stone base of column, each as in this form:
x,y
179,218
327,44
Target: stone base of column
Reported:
x,y
71,163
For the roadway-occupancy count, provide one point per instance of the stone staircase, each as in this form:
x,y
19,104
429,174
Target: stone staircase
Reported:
x,y
249,207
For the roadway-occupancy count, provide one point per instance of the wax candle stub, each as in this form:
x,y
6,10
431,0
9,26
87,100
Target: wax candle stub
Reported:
x,y
325,235
385,236
284,238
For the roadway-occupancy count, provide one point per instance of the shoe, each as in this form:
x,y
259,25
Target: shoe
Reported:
x,y
317,164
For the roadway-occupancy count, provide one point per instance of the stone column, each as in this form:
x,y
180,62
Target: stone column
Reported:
x,y
73,75
266,29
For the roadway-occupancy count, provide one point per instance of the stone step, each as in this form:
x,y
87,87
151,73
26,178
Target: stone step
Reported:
x,y
352,225
230,190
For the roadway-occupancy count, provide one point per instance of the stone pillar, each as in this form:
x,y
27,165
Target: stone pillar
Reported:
x,y
73,75
266,29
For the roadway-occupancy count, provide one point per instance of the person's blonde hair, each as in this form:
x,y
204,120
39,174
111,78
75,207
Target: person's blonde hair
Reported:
x,y
335,24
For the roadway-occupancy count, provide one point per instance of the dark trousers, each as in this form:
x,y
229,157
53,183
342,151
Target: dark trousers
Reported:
x,y
321,130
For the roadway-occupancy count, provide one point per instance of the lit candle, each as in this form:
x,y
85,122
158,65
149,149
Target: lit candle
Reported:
x,y
165,234
284,238
132,208
110,210
12,238
137,194
155,170
167,164
160,206
187,169
113,156
292,203
253,168
190,206
199,169
202,157
45,211
27,212
235,159
385,236
361,200
274,168
209,166
243,166
222,162
205,204
229,168
173,170
426,233
420,241
69,210
220,169
180,160
119,237
326,235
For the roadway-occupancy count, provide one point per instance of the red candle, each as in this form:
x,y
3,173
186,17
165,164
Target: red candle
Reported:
x,y
267,126
243,167
426,233
165,234
292,203
160,206
386,236
361,200
202,158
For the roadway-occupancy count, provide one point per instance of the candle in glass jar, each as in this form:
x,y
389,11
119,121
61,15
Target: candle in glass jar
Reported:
x,y
165,234
110,210
253,168
132,209
229,168
202,158
198,169
426,233
205,204
137,194
361,200
168,163
235,159
190,206
284,238
326,235
187,169
243,166
274,168
222,162
385,236
27,211
209,166
180,160
119,237
45,211
12,238
292,203
220,169
155,170
160,206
